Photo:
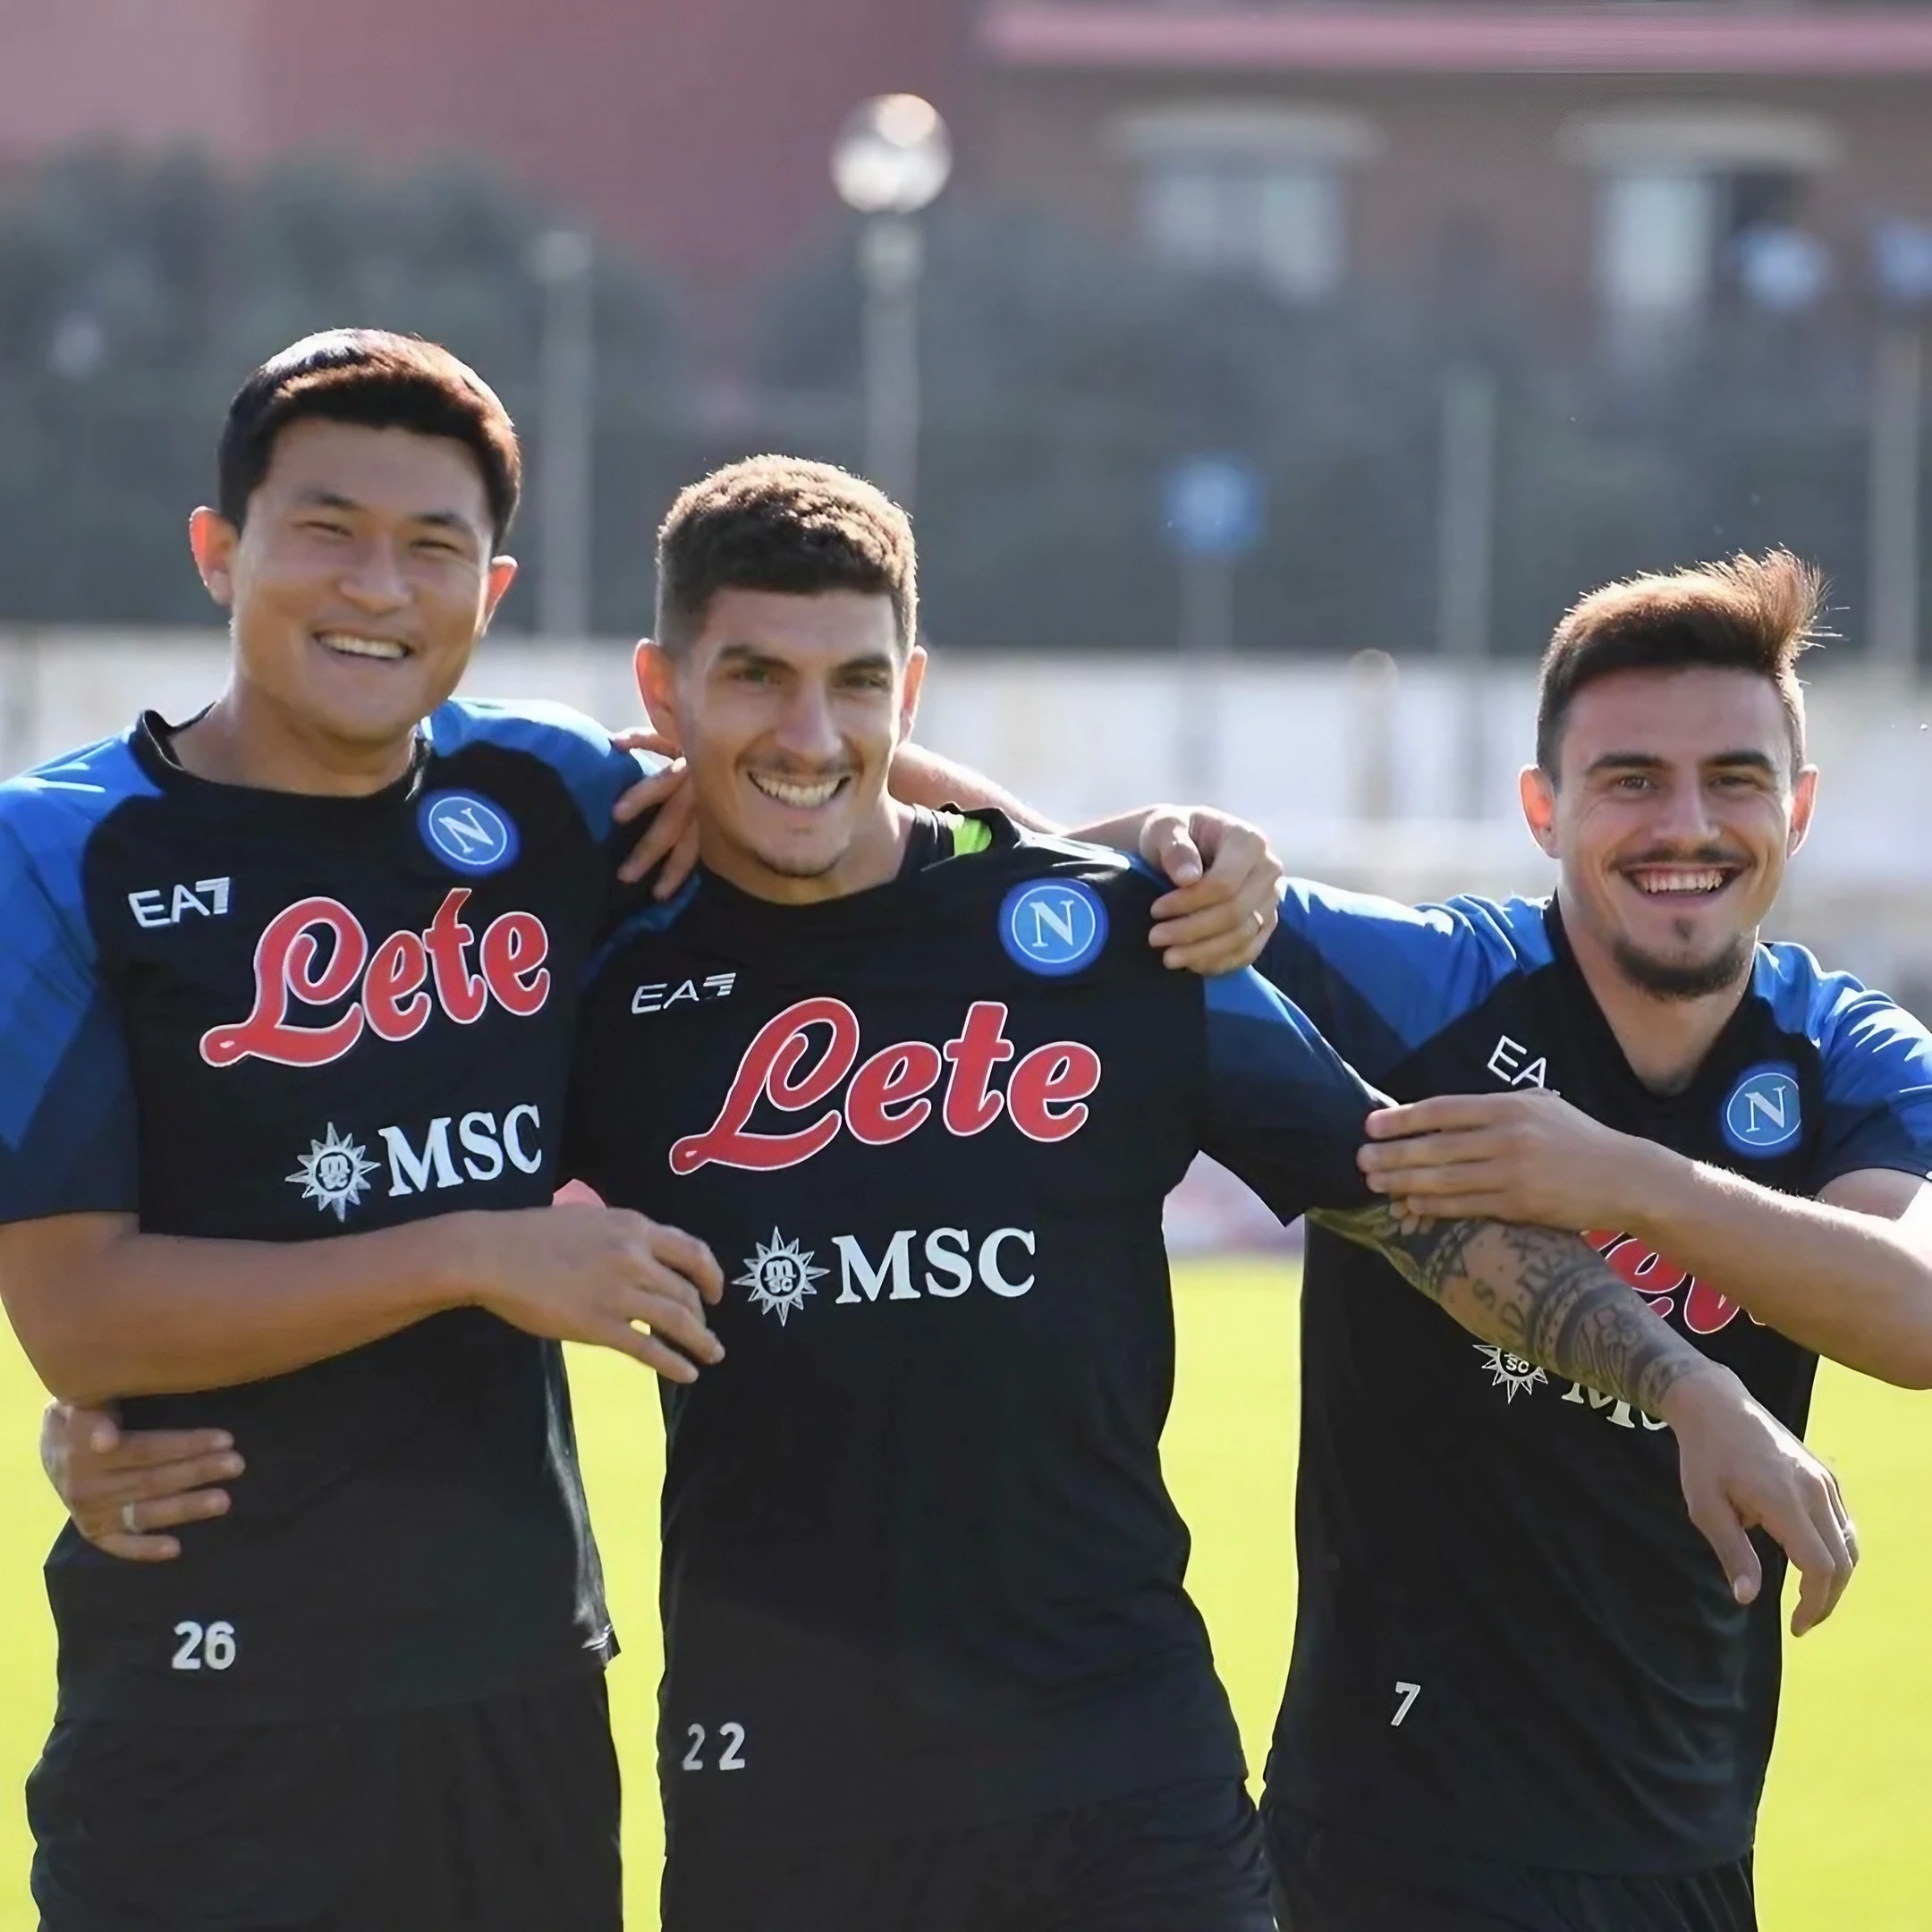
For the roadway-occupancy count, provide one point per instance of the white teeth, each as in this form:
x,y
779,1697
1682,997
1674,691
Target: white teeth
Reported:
x,y
1678,882
346,644
788,792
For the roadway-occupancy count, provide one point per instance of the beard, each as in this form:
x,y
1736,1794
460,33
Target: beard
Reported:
x,y
1685,979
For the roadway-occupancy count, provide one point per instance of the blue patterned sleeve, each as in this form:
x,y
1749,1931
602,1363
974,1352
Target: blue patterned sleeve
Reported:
x,y
1877,1067
1381,978
67,1120
1282,1109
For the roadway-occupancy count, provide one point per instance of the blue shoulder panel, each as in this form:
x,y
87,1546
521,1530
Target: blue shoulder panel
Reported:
x,y
1381,979
578,748
1281,1108
66,1102
653,916
1875,1056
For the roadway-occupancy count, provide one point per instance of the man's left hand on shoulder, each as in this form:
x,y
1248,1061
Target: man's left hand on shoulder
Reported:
x,y
1227,887
1528,1155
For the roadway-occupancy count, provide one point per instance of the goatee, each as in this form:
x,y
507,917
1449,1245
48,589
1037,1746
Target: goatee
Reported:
x,y
1669,980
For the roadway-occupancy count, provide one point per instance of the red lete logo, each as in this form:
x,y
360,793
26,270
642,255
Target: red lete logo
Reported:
x,y
885,1100
391,981
1663,1285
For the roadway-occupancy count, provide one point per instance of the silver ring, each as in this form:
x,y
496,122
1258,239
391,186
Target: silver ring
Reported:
x,y
127,1520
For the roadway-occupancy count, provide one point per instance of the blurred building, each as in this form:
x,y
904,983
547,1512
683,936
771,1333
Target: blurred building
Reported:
x,y
1642,165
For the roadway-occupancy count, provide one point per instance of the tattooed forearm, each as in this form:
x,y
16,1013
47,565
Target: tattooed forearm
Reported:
x,y
1544,1295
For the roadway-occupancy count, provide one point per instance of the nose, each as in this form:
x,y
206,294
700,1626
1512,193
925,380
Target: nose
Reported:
x,y
808,731
1683,814
374,579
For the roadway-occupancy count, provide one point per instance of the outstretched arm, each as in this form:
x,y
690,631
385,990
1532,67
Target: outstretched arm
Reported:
x,y
1849,1274
1551,1298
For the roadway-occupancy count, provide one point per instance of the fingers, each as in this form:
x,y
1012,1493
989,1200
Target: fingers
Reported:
x,y
138,1548
1431,1153
159,1450
649,1350
646,738
1444,1113
684,1255
1167,844
680,862
1724,1530
1218,940
675,1313
676,821
100,1486
646,793
1820,1590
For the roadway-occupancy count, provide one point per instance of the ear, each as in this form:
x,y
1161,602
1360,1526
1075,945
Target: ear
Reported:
x,y
912,683
1804,802
502,575
213,540
1538,791
657,681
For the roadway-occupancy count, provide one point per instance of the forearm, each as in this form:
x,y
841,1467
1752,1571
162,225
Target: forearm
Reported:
x,y
1847,1284
151,1314
1544,1295
919,776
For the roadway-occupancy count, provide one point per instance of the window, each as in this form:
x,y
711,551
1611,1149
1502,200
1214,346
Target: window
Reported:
x,y
1248,191
1693,203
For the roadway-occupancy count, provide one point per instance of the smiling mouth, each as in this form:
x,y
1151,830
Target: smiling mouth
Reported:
x,y
356,644
799,793
1678,883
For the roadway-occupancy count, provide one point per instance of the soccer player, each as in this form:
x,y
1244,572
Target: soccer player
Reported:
x,y
1521,1694
307,966
929,1658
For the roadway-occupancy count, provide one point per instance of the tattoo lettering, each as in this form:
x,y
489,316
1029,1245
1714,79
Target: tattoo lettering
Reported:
x,y
1544,1295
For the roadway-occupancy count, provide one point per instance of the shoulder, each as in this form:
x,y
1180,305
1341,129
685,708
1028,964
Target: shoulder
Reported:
x,y
48,816
1867,1043
1400,974
576,748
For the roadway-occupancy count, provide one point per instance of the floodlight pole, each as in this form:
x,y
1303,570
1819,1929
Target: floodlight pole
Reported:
x,y
1891,593
891,257
566,381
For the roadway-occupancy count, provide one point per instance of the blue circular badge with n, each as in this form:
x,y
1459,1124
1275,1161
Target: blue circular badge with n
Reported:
x,y
1053,927
467,832
1763,1114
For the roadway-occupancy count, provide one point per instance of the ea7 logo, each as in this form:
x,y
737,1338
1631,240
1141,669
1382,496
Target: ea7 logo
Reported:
x,y
205,898
660,996
885,1100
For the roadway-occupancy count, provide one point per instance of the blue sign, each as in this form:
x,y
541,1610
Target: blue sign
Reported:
x,y
1053,927
1215,507
467,832
1762,1115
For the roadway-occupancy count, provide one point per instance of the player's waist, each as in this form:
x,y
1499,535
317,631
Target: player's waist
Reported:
x,y
777,1776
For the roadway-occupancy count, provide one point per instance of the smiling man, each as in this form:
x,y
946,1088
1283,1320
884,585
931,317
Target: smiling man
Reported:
x,y
930,1663
1522,1698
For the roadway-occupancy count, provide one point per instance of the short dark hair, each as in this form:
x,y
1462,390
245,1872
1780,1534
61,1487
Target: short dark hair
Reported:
x,y
1754,613
782,523
381,381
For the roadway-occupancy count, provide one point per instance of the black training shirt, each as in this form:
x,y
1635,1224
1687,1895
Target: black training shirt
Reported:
x,y
1511,1640
920,1568
277,1017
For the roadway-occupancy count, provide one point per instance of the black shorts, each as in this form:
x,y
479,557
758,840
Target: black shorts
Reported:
x,y
1329,1881
499,1816
1185,1857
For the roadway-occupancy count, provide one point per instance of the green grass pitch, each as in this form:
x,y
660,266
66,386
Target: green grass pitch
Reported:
x,y
1844,1837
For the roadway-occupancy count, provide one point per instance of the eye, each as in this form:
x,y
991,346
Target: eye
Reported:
x,y
439,546
324,527
1633,782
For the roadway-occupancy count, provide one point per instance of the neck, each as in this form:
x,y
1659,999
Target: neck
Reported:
x,y
873,856
245,739
1664,1040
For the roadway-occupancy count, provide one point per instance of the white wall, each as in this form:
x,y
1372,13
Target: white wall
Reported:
x,y
1357,779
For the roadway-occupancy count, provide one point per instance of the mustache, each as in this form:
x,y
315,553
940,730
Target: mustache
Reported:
x,y
1702,855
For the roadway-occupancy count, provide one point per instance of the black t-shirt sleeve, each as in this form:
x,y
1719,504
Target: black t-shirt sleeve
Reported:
x,y
1281,1108
67,1118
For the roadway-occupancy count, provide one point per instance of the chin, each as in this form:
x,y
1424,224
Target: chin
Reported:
x,y
1686,975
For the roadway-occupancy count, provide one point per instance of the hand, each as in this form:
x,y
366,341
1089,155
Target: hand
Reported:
x,y
122,1489
671,839
1742,1470
1526,1157
1229,884
598,1274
